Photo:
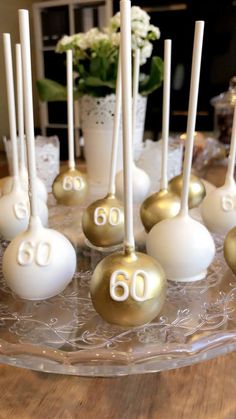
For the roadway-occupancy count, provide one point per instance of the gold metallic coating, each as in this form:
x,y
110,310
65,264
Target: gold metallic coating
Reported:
x,y
108,234
70,187
159,206
230,249
128,313
197,191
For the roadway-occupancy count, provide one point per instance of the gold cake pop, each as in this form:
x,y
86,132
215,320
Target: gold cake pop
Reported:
x,y
230,249
103,220
128,288
197,190
70,187
159,206
163,204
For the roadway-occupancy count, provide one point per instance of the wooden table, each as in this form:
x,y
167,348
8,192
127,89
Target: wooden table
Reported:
x,y
202,391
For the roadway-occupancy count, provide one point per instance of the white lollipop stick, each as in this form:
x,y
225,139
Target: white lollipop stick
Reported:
x,y
20,104
116,130
29,116
232,153
192,112
126,71
11,102
70,108
166,112
136,72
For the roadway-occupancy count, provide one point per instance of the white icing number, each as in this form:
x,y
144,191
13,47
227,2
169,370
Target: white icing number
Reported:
x,y
116,283
228,203
30,252
72,183
100,216
21,210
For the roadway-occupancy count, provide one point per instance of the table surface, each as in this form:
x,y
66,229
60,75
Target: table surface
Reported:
x,y
202,391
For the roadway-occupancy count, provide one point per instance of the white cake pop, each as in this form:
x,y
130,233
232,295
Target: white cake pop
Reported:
x,y
183,246
39,263
218,209
141,180
14,207
23,173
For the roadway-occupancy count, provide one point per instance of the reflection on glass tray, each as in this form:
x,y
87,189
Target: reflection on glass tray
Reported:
x,y
65,335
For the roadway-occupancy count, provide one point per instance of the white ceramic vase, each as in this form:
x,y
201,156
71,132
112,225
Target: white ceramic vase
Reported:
x,y
97,116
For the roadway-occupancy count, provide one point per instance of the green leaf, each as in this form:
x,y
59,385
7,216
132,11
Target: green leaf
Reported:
x,y
51,91
154,80
97,82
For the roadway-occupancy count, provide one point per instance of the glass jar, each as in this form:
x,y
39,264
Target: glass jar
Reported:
x,y
224,109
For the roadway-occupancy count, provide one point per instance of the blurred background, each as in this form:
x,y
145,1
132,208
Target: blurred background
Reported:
x,y
50,20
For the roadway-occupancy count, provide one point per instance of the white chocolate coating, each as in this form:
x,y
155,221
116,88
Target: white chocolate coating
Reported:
x,y
15,212
39,263
41,188
141,185
218,209
183,247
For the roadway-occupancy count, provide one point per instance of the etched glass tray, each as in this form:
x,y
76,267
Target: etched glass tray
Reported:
x,y
65,335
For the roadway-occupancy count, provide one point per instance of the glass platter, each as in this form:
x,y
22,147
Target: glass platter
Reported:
x,y
65,335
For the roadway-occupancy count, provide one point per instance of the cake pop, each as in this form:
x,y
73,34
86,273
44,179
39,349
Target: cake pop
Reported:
x,y
14,207
197,190
141,180
162,204
23,173
128,288
40,262
183,246
230,249
218,209
70,187
103,220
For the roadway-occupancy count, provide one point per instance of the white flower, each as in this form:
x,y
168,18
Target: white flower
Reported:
x,y
145,52
142,31
138,14
94,36
155,32
80,41
139,29
115,39
64,42
115,22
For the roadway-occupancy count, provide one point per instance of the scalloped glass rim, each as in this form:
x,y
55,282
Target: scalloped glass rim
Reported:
x,y
65,335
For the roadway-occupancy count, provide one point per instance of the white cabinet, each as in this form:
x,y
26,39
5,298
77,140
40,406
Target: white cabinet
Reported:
x,y
52,20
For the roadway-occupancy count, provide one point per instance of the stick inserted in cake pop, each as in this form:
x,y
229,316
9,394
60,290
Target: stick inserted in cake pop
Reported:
x,y
14,205
218,209
140,179
41,188
183,246
163,204
103,220
23,173
40,262
70,187
128,288
20,111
